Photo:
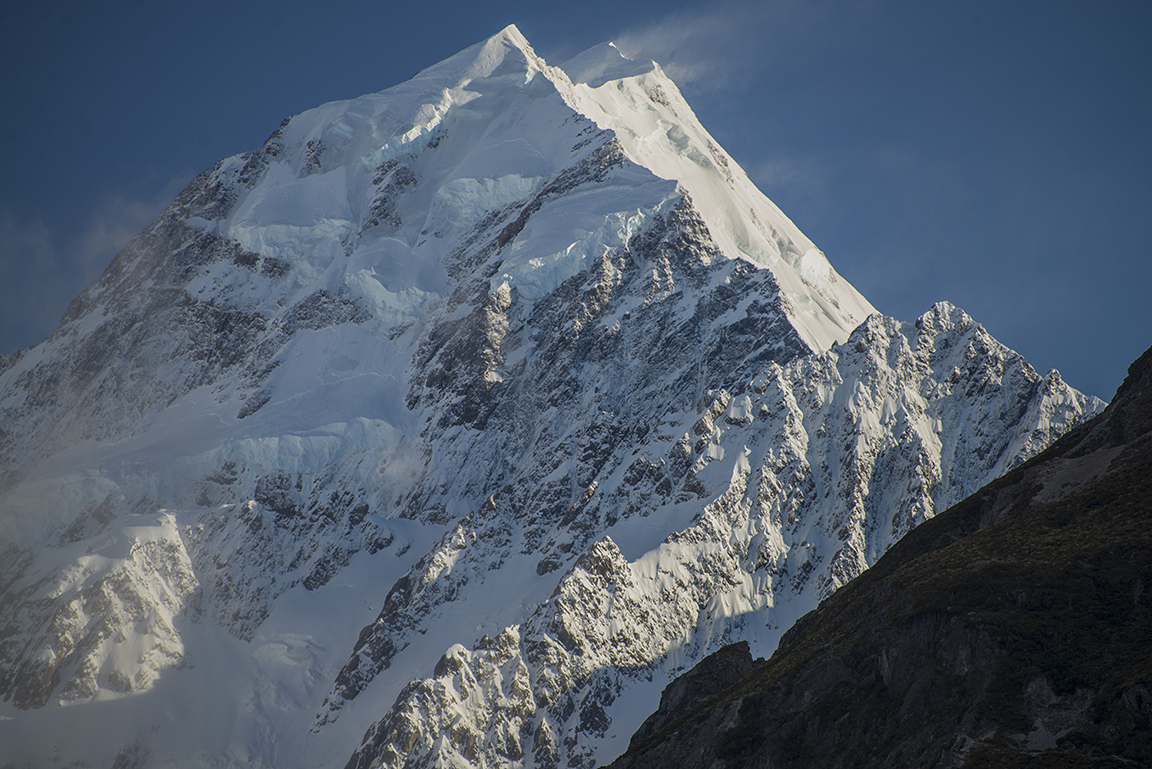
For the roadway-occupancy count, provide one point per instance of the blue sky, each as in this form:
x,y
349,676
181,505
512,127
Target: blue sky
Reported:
x,y
994,154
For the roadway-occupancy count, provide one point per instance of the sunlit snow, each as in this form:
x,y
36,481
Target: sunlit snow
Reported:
x,y
383,264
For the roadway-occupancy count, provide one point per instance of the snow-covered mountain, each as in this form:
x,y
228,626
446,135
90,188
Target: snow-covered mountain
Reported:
x,y
448,425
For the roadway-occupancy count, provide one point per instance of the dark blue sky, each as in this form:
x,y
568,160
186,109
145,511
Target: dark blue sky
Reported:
x,y
994,154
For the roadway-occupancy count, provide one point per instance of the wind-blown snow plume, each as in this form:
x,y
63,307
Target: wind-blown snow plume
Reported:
x,y
447,425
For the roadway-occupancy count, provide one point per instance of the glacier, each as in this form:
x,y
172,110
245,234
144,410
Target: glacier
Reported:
x,y
449,425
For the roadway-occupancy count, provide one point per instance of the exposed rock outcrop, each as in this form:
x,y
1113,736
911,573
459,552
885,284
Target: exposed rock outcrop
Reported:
x,y
453,420
1011,630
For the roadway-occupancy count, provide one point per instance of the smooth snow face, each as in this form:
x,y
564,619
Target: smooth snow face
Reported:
x,y
501,131
658,130
496,105
508,360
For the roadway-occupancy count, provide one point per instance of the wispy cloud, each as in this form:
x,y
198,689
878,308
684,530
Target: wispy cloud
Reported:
x,y
44,266
720,43
116,220
805,177
31,270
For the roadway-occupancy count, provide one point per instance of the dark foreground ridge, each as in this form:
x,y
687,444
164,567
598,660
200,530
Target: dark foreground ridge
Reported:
x,y
1012,630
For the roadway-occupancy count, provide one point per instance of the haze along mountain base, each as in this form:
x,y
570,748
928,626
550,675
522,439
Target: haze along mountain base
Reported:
x,y
451,424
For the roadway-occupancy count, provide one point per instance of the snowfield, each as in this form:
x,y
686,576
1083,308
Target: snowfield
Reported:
x,y
449,425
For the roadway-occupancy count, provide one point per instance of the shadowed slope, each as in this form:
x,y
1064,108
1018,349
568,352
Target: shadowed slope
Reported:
x,y
1011,630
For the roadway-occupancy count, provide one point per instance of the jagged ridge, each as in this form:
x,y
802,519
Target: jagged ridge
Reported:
x,y
503,338
1008,631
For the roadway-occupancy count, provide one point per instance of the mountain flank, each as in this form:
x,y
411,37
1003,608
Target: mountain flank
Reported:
x,y
450,425
1012,630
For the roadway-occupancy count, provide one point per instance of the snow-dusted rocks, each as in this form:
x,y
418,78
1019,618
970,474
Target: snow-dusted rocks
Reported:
x,y
798,478
446,426
98,617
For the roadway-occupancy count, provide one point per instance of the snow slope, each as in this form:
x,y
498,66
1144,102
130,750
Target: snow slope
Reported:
x,y
450,423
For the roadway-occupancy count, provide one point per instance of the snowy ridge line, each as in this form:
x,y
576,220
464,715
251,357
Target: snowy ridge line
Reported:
x,y
541,505
782,530
507,360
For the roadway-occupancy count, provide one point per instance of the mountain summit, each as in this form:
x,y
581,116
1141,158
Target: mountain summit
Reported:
x,y
449,425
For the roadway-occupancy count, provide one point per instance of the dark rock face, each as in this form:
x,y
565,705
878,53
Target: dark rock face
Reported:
x,y
631,451
116,341
608,620
459,357
714,674
1011,630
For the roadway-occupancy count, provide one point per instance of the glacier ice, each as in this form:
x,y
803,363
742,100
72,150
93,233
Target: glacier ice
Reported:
x,y
450,423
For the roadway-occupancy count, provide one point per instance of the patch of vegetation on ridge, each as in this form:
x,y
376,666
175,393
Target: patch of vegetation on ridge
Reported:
x,y
1062,593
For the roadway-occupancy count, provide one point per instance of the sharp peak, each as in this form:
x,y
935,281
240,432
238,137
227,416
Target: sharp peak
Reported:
x,y
509,50
603,63
508,38
513,35
595,66
485,58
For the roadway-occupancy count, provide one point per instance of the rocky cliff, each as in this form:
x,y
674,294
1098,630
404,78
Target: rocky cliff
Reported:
x,y
1011,630
448,425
